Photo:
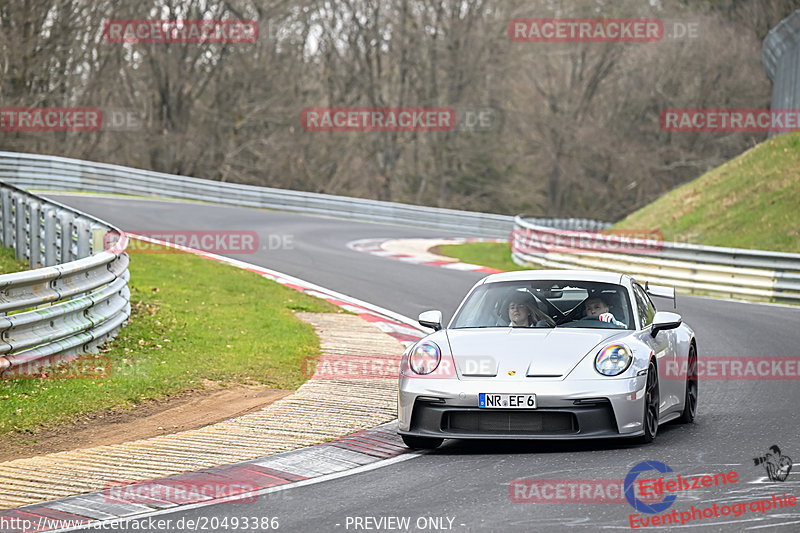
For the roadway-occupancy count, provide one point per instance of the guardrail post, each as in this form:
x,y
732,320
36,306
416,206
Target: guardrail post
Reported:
x,y
63,235
49,239
18,203
33,208
5,217
98,243
53,308
82,237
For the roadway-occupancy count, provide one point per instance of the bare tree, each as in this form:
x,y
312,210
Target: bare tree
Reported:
x,y
577,129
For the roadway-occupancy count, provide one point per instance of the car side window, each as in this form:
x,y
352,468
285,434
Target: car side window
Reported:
x,y
644,306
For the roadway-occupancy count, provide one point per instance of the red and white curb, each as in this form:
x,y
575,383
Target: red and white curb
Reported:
x,y
417,252
351,453
402,328
240,484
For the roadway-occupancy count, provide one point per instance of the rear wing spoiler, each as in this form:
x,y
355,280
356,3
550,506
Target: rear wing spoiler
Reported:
x,y
661,291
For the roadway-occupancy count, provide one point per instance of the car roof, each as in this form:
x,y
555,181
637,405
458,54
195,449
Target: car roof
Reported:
x,y
576,275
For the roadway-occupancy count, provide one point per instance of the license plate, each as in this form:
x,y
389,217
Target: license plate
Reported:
x,y
507,401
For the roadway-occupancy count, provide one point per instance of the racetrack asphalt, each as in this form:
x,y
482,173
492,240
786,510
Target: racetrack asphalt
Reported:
x,y
468,482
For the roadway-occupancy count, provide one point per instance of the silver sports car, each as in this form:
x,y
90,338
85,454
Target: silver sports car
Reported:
x,y
549,354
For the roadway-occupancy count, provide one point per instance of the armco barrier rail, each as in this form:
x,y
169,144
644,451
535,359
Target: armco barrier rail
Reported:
x,y
75,298
31,171
780,53
729,272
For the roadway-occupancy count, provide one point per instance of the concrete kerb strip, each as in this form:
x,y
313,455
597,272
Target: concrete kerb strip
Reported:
x,y
417,251
394,324
272,430
256,479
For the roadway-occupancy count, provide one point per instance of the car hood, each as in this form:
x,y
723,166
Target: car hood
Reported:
x,y
505,352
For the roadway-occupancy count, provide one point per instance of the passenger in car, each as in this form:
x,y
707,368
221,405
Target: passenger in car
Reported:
x,y
597,307
523,312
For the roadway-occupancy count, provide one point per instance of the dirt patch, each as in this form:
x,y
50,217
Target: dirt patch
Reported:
x,y
190,410
437,250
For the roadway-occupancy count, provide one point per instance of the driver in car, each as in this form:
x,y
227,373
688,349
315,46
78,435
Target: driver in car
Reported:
x,y
597,308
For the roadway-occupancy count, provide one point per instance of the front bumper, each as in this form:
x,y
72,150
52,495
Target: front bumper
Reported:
x,y
448,408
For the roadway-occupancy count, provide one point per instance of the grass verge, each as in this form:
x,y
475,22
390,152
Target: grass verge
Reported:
x,y
749,202
192,320
9,262
489,254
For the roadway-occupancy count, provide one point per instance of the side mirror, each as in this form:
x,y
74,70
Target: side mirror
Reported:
x,y
431,319
664,321
661,292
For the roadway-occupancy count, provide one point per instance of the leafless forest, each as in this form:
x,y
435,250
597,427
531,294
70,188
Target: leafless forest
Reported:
x,y
575,129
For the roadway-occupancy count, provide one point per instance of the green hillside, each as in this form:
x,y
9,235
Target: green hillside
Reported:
x,y
752,201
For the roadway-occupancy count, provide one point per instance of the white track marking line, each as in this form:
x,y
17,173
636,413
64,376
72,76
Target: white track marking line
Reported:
x,y
312,481
279,276
307,285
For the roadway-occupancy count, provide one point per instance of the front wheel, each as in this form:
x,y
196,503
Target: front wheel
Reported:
x,y
652,400
421,443
690,400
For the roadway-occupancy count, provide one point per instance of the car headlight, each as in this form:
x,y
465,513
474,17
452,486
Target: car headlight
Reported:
x,y
425,358
613,360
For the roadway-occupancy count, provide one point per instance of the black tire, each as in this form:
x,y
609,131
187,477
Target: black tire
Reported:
x,y
421,443
690,399
652,399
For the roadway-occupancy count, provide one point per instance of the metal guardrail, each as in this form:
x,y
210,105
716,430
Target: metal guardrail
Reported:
x,y
75,298
577,224
33,171
87,297
729,272
780,53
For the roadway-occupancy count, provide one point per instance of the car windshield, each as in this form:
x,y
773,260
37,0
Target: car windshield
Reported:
x,y
546,304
